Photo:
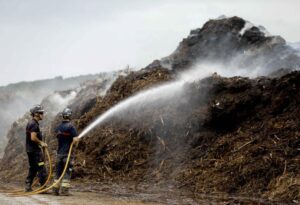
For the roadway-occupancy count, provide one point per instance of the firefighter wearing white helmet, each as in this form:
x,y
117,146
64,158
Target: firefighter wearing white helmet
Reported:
x,y
66,133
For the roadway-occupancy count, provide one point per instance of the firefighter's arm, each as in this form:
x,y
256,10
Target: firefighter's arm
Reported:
x,y
75,138
37,140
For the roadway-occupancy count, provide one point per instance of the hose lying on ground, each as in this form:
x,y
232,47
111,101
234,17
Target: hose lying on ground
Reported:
x,y
22,193
41,190
36,180
22,190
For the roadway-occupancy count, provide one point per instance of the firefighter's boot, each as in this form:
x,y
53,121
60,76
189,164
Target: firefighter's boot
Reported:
x,y
65,191
65,186
28,187
55,189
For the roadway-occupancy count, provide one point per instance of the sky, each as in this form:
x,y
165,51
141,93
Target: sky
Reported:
x,y
42,39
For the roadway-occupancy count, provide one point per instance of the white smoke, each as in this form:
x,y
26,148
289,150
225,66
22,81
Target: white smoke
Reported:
x,y
203,70
58,101
248,25
63,101
102,84
295,46
16,99
221,17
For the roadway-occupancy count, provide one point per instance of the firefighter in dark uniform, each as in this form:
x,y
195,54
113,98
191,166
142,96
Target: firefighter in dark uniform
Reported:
x,y
34,145
66,133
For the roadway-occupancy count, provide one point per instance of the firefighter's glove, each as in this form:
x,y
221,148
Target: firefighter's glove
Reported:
x,y
76,140
43,144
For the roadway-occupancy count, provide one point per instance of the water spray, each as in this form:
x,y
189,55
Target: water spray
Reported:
x,y
157,94
162,92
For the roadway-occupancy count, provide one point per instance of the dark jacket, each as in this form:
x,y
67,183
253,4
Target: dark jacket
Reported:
x,y
32,126
65,132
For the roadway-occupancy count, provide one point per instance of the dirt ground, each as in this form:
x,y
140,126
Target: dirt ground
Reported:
x,y
118,195
77,198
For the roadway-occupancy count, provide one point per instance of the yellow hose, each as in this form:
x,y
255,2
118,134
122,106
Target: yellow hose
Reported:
x,y
41,190
37,180
22,190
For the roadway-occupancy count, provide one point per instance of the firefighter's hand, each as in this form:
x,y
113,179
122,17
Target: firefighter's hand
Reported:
x,y
43,144
76,140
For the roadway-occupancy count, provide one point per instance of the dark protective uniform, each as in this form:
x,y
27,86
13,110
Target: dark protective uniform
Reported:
x,y
65,133
35,155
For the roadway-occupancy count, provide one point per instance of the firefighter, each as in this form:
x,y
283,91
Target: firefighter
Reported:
x,y
66,133
34,145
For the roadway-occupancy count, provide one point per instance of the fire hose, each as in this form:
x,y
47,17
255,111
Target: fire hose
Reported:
x,y
37,180
43,188
19,192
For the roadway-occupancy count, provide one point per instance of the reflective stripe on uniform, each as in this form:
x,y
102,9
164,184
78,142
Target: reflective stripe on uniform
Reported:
x,y
41,163
65,183
64,133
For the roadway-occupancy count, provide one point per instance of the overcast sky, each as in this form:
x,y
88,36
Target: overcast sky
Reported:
x,y
43,39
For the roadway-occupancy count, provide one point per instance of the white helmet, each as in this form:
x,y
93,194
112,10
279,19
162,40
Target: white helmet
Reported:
x,y
66,113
